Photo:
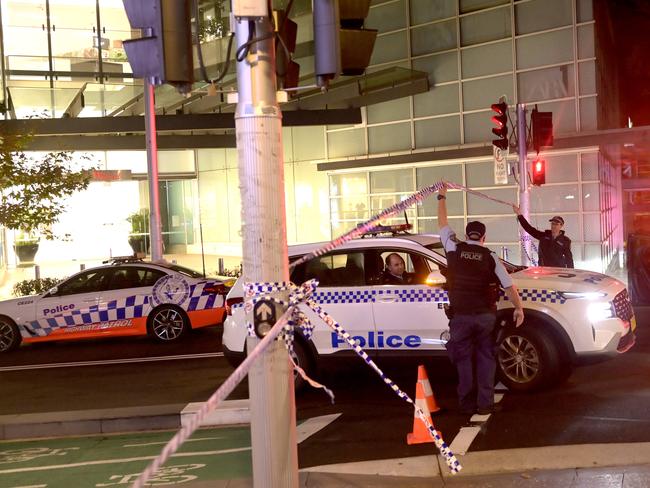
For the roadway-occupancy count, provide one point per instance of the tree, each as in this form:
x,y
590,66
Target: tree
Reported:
x,y
33,188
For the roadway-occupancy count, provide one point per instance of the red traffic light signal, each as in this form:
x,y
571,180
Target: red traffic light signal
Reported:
x,y
500,120
539,172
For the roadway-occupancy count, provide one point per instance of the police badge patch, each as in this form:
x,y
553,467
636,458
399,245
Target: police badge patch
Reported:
x,y
170,289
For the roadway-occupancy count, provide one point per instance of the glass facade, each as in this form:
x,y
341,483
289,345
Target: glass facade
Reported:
x,y
474,51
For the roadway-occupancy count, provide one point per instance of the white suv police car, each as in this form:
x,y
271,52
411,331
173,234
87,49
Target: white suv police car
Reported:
x,y
569,313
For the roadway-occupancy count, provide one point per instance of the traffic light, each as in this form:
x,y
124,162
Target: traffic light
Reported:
x,y
539,172
500,120
542,129
341,44
164,53
288,71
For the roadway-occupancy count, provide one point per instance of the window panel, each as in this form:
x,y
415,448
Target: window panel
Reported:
x,y
589,166
561,169
391,47
430,226
473,5
499,229
555,199
546,84
429,10
351,207
486,60
447,172
346,143
585,10
588,114
287,144
386,138
438,100
586,44
176,161
482,174
387,17
591,224
481,206
548,48
479,94
444,131
441,67
397,180
433,38
590,197
539,15
211,159
308,143
398,109
587,77
380,203
348,184
485,26
455,204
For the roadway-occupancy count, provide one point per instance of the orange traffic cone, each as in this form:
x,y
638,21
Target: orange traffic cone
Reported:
x,y
425,400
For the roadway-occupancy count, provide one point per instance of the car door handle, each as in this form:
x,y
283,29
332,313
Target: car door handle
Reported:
x,y
387,299
90,301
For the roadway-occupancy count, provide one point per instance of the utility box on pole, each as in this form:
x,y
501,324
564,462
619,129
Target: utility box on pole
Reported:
x,y
258,125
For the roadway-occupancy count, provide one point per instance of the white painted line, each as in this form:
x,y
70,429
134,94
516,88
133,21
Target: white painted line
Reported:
x,y
164,443
479,418
111,361
125,460
30,486
500,387
310,426
462,441
498,397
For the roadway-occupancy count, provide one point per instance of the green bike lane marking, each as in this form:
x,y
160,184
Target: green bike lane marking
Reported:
x,y
99,461
117,460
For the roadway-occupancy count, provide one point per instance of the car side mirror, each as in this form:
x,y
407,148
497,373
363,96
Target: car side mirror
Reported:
x,y
436,279
52,291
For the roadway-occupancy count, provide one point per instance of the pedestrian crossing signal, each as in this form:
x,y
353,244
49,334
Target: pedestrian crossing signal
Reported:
x,y
539,172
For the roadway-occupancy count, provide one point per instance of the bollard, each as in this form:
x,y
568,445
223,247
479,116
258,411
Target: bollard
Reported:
x,y
221,267
82,266
173,261
37,272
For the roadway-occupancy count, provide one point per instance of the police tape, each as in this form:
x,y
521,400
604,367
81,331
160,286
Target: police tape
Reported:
x,y
211,403
298,294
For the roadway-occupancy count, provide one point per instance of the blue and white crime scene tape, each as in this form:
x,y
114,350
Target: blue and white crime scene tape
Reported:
x,y
294,317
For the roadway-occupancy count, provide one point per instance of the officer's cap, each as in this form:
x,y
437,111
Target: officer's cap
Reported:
x,y
558,220
475,230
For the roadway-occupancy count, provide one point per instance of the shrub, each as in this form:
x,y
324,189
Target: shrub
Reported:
x,y
34,287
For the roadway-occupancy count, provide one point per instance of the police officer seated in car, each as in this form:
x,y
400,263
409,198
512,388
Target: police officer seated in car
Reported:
x,y
395,272
473,271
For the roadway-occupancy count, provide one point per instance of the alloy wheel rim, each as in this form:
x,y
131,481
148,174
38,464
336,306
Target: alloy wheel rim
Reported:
x,y
6,336
519,359
168,324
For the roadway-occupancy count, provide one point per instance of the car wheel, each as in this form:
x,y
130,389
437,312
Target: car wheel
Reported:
x,y
9,335
167,324
527,358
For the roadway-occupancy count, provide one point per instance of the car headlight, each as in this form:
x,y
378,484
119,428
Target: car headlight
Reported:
x,y
587,295
599,311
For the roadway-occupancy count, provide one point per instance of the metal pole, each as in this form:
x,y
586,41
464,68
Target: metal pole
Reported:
x,y
152,169
524,192
258,124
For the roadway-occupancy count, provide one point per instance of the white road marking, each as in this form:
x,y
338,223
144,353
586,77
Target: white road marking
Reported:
x,y
310,426
123,460
30,486
462,441
111,361
165,442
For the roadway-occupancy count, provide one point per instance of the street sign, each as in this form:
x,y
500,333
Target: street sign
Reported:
x,y
500,165
263,317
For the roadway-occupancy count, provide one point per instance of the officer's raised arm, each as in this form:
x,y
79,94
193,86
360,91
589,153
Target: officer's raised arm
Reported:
x,y
447,236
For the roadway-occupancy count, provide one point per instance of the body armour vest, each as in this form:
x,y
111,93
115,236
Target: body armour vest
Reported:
x,y
473,285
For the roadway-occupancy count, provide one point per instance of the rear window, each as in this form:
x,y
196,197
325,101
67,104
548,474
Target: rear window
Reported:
x,y
185,271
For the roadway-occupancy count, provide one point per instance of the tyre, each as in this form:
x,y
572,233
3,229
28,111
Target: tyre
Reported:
x,y
527,358
167,324
9,335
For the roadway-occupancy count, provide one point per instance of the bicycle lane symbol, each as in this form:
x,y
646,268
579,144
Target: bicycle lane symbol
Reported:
x,y
31,453
167,475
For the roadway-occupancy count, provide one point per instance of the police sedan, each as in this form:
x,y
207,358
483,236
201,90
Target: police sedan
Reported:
x,y
568,313
128,297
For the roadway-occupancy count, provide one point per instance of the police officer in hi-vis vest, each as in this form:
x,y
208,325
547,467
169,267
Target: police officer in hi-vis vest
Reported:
x,y
473,277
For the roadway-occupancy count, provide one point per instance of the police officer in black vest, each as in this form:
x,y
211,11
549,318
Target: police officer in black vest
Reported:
x,y
473,278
